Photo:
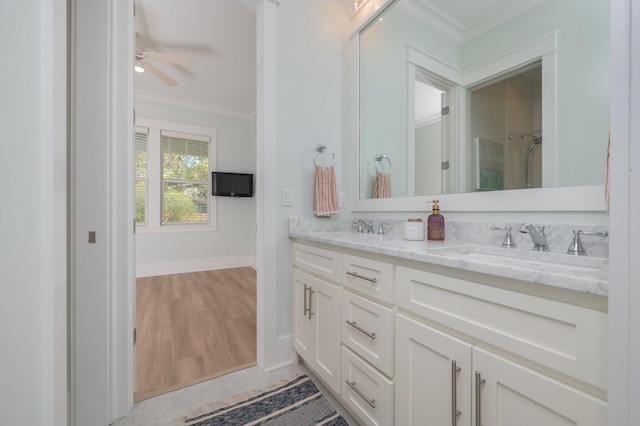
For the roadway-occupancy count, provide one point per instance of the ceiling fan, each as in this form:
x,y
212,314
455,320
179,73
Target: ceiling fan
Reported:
x,y
142,63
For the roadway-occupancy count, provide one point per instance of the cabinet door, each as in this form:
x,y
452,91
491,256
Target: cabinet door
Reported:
x,y
303,324
511,395
325,311
433,376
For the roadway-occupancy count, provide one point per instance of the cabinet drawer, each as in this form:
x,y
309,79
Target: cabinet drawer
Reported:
x,y
325,263
368,329
367,392
370,277
567,338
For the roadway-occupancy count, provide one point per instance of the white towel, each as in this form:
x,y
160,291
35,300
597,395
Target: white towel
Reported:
x,y
325,199
382,185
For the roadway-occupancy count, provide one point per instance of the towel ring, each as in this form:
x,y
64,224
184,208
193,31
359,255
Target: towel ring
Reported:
x,y
379,159
320,149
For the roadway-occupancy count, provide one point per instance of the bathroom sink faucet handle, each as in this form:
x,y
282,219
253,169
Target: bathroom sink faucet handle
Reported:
x,y
381,229
576,247
508,238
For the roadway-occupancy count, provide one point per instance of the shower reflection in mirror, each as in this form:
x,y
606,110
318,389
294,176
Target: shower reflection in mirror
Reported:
x,y
507,112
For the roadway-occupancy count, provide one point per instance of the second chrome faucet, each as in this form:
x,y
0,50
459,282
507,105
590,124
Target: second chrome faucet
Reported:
x,y
537,236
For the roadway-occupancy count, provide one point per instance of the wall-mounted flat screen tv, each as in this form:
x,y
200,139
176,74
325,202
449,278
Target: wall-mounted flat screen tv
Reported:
x,y
225,184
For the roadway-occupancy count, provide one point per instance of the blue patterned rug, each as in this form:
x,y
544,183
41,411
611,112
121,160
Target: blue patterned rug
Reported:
x,y
297,403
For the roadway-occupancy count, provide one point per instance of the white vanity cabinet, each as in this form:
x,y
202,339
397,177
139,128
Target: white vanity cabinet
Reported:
x,y
409,343
442,379
316,314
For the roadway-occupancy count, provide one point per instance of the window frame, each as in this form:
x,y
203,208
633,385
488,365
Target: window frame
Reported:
x,y
155,128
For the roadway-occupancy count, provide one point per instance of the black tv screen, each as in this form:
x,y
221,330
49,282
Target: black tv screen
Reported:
x,y
224,184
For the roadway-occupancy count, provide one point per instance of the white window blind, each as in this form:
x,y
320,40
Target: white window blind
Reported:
x,y
185,179
141,177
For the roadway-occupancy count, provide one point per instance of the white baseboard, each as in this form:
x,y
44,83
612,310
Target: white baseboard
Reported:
x,y
194,265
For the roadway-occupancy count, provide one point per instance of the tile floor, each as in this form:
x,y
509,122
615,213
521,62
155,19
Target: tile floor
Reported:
x,y
168,409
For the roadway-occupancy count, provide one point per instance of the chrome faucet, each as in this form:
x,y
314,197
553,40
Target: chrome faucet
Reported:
x,y
537,236
364,227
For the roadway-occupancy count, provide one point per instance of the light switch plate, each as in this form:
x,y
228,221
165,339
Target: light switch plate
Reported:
x,y
286,197
342,202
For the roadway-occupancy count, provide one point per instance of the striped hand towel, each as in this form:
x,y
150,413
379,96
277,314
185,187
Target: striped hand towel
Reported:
x,y
382,185
325,199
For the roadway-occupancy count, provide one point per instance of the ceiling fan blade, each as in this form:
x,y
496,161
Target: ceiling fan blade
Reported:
x,y
159,74
168,57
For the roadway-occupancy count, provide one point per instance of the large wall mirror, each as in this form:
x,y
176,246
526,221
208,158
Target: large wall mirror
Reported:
x,y
476,97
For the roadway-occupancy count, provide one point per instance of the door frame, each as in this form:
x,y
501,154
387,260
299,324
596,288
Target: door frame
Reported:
x,y
105,47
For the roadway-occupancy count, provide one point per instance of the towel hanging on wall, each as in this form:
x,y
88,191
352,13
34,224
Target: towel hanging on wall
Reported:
x,y
382,185
325,199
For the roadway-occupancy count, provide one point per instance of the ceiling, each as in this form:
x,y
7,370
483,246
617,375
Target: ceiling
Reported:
x,y
220,37
463,20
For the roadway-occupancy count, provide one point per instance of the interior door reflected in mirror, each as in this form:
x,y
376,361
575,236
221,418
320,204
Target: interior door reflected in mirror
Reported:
x,y
517,94
506,126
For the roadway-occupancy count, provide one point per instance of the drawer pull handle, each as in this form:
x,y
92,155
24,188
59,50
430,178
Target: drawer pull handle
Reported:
x,y
362,277
362,330
454,391
479,382
370,401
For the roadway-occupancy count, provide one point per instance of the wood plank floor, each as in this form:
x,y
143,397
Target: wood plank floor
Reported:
x,y
193,327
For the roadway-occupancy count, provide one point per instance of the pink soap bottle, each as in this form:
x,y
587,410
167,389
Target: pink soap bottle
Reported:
x,y
435,223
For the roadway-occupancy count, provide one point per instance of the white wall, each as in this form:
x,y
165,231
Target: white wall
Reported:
x,y
33,213
234,243
583,62
310,111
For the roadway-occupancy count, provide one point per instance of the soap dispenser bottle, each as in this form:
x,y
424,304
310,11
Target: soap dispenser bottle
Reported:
x,y
435,223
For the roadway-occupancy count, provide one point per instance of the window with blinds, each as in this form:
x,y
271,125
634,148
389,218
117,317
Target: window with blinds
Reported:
x,y
185,179
141,178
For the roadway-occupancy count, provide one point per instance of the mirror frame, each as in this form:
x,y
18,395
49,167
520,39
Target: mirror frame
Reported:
x,y
570,198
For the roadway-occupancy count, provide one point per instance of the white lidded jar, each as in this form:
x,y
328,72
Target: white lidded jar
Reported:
x,y
414,229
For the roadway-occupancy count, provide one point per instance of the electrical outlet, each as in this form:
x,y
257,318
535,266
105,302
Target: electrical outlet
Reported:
x,y
342,201
286,197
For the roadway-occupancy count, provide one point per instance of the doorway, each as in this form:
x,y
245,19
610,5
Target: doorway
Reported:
x,y
185,62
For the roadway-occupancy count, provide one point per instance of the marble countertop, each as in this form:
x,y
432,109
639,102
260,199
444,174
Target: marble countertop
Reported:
x,y
587,274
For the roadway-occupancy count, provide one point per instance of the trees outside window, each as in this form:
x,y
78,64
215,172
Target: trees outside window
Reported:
x,y
173,164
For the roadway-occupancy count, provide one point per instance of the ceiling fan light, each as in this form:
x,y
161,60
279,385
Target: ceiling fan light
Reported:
x,y
138,68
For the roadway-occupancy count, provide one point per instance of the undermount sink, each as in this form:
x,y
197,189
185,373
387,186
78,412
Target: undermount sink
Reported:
x,y
594,267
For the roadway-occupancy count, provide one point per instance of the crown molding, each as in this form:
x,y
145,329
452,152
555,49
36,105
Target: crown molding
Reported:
x,y
199,106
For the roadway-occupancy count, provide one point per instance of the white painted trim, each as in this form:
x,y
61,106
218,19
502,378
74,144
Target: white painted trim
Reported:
x,y
121,215
54,224
176,102
411,128
514,58
272,349
434,65
624,249
192,265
